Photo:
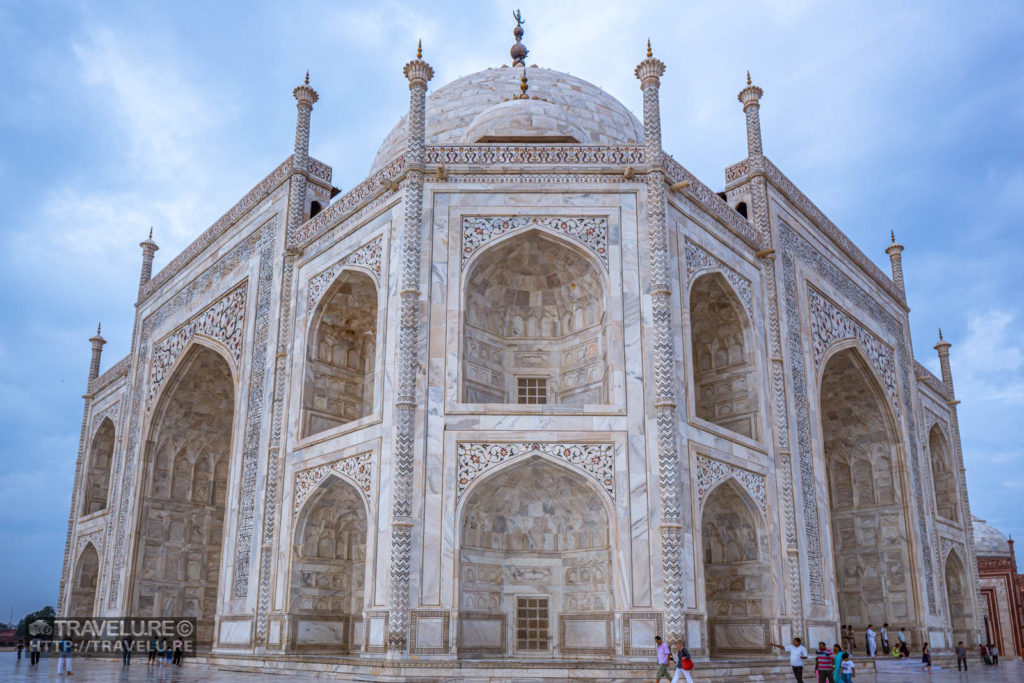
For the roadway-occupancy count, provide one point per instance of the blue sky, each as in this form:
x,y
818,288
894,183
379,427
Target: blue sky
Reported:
x,y
116,116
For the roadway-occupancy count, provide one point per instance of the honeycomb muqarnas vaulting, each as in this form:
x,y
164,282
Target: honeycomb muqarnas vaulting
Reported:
x,y
530,392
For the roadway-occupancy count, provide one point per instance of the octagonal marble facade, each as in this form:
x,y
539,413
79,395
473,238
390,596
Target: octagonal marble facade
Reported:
x,y
523,401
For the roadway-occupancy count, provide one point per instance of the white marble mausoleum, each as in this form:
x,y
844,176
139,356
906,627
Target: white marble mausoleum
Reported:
x,y
531,392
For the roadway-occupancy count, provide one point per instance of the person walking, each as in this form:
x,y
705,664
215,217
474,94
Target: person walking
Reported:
x,y
126,650
21,646
869,638
178,648
837,669
901,635
926,658
685,663
33,650
993,652
824,661
847,668
64,663
664,656
961,655
885,638
797,655
151,654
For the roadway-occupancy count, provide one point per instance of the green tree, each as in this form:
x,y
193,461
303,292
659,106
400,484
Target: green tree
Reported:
x,y
46,614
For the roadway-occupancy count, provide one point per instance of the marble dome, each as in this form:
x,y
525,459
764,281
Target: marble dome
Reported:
x,y
988,540
480,108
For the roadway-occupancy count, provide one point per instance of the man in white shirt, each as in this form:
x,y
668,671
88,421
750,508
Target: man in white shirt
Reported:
x,y
797,655
869,635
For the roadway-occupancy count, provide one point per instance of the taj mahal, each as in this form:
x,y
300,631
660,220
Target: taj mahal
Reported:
x,y
528,395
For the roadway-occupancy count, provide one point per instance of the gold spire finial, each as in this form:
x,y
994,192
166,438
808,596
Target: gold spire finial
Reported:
x,y
892,236
649,53
748,77
523,86
307,77
419,49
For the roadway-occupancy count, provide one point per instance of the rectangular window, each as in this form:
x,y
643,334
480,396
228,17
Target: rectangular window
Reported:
x,y
532,390
532,624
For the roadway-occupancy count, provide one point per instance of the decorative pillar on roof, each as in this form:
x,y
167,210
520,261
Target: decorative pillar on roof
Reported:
x,y
148,250
411,323
942,348
649,72
97,342
305,98
750,97
895,252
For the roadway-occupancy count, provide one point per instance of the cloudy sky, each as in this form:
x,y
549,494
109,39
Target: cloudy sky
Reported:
x,y
118,116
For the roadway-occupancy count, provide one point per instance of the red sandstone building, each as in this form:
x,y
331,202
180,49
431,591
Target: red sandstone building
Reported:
x,y
1002,589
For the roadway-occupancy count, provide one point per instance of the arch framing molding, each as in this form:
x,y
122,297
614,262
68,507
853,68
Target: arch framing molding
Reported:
x,y
367,256
590,231
710,472
596,460
354,468
96,538
699,261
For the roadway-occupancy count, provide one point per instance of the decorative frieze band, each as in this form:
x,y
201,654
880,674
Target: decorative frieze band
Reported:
x,y
536,154
596,460
830,324
356,468
699,260
590,231
368,256
223,320
711,471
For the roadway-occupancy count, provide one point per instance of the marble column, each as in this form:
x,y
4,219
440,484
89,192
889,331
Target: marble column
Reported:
x,y
148,250
410,323
649,72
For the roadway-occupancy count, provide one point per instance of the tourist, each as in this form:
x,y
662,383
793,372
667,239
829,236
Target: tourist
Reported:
x,y
64,663
869,637
926,658
847,668
837,669
885,637
126,650
984,655
797,655
895,652
824,661
664,656
902,635
684,665
993,652
21,646
904,650
151,656
33,650
961,656
178,645
849,644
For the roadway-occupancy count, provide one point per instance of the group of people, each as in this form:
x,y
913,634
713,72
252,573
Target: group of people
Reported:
x,y
989,655
160,653
34,648
830,666
683,662
898,648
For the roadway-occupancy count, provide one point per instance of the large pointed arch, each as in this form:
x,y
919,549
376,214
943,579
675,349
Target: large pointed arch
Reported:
x,y
341,354
97,470
84,583
328,569
958,596
724,360
535,541
737,574
184,491
534,327
944,478
862,454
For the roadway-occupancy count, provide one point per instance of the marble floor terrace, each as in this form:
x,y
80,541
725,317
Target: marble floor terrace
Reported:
x,y
97,670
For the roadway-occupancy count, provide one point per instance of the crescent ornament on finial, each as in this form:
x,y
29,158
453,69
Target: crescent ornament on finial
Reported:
x,y
518,16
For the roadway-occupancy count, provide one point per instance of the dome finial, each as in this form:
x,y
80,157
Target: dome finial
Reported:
x,y
307,77
892,236
649,53
523,86
748,77
940,334
518,50
419,49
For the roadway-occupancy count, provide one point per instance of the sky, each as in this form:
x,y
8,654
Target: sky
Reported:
x,y
118,116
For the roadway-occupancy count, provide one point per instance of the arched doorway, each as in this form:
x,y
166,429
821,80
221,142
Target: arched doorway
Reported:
x,y
943,475
870,546
737,576
535,564
534,328
959,597
97,474
725,377
341,355
184,491
82,603
328,570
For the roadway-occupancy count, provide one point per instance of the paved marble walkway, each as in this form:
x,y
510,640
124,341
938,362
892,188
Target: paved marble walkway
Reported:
x,y
93,670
